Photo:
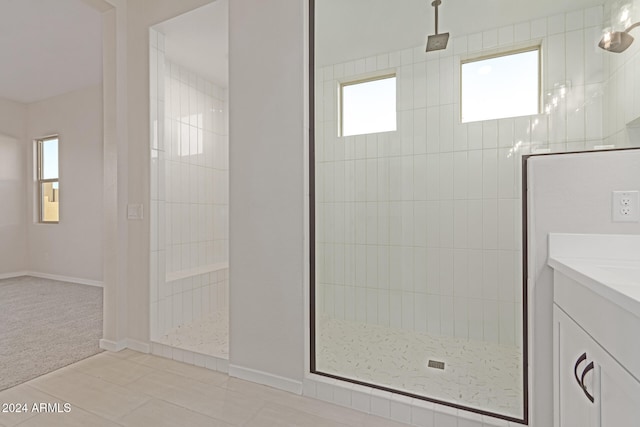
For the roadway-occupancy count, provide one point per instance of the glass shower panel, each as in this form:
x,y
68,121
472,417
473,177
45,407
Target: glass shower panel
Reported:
x,y
418,271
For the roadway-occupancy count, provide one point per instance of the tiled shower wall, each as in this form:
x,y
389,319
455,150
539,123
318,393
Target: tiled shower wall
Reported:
x,y
189,194
421,228
622,97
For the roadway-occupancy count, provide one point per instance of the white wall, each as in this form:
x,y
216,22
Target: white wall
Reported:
x,y
568,193
73,247
13,245
267,175
13,175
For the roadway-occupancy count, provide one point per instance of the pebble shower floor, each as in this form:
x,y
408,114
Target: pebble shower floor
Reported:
x,y
482,375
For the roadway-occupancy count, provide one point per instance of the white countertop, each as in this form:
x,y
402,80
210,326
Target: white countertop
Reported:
x,y
609,265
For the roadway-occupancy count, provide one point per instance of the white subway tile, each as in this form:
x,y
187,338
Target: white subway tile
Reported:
x,y
433,314
395,309
445,417
421,312
507,323
522,32
380,403
505,35
491,323
474,42
461,317
490,39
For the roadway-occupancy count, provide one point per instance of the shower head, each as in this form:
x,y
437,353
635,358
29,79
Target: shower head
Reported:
x,y
437,41
617,41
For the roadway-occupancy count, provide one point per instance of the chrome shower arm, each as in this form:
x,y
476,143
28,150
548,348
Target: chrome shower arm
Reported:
x,y
631,27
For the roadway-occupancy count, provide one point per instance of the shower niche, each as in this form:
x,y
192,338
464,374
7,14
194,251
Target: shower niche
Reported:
x,y
189,276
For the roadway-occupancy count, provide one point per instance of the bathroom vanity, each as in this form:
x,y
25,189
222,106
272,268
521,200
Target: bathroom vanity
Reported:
x,y
596,329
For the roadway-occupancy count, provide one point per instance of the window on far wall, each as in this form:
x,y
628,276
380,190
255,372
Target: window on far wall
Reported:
x,y
368,106
501,86
48,180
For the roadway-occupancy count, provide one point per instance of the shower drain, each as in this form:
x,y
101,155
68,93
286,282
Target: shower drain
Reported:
x,y
435,364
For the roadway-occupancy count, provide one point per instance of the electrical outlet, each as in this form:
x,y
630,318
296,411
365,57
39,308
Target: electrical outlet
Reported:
x,y
625,206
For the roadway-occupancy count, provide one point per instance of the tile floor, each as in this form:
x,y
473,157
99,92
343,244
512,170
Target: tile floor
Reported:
x,y
134,389
207,335
478,374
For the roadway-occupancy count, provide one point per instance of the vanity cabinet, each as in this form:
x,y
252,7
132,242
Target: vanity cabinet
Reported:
x,y
592,388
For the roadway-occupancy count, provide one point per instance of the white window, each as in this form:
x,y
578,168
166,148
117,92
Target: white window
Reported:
x,y
48,180
368,106
501,86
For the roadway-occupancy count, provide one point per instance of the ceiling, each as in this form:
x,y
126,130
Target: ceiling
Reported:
x,y
52,47
48,48
348,29
199,41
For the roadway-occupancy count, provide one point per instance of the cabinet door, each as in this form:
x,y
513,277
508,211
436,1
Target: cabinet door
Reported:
x,y
620,402
576,371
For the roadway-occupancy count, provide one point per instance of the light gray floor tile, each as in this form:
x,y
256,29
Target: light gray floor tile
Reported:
x,y
76,418
135,389
273,414
90,393
112,369
158,413
22,393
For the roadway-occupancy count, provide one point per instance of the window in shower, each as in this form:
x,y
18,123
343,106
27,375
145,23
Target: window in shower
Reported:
x,y
368,105
416,284
500,86
48,180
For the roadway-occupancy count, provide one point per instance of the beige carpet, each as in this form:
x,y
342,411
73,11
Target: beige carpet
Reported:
x,y
45,325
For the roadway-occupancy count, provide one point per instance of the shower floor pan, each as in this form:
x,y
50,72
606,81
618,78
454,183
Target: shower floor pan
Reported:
x,y
477,374
207,335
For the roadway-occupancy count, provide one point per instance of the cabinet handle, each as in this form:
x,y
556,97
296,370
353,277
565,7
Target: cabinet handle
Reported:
x,y
580,380
584,387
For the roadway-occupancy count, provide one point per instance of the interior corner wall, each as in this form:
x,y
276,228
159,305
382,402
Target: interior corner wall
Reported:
x,y
13,218
267,137
72,248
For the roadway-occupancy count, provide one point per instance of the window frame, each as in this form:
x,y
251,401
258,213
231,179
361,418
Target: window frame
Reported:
x,y
500,54
388,74
40,181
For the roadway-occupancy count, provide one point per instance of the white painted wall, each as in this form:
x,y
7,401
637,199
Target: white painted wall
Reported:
x,y
267,140
73,247
13,221
568,193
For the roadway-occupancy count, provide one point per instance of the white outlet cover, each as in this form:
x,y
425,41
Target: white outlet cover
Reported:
x,y
625,206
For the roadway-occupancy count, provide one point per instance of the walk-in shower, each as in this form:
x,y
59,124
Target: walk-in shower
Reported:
x,y
189,183
417,275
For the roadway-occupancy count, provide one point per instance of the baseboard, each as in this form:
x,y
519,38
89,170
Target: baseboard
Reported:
x,y
65,278
139,346
114,346
14,274
132,344
265,378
